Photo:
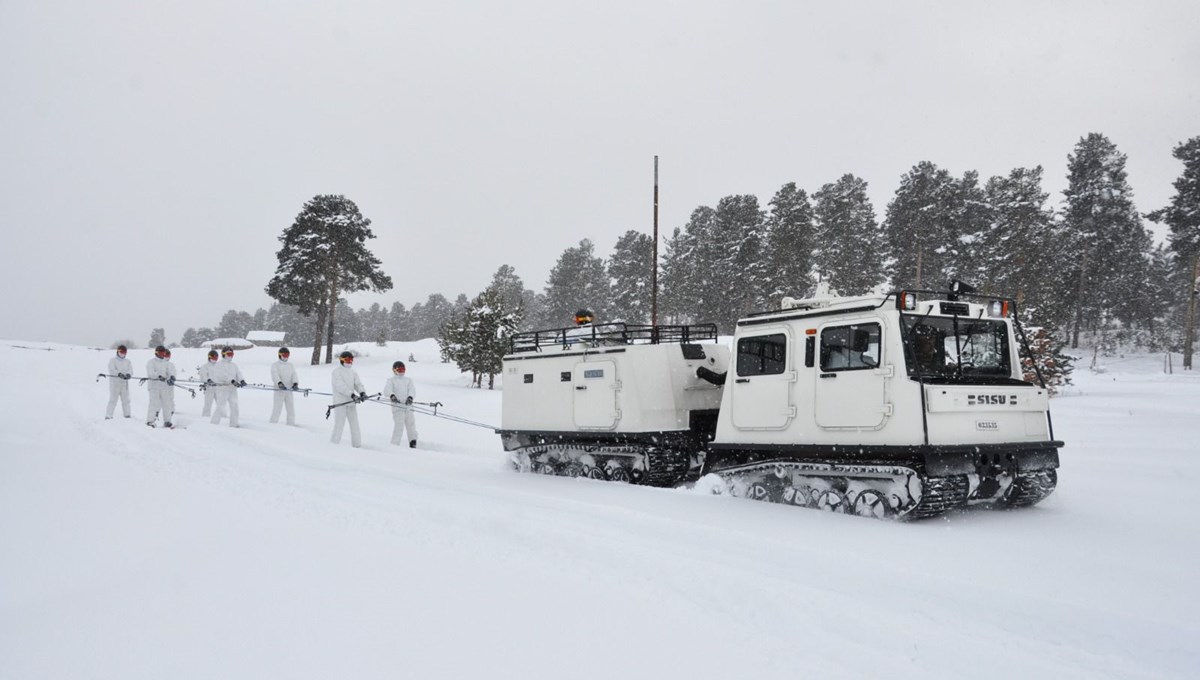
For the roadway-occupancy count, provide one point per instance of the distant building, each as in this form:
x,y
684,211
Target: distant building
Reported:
x,y
234,343
266,338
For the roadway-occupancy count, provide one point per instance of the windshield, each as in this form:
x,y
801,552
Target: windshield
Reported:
x,y
957,350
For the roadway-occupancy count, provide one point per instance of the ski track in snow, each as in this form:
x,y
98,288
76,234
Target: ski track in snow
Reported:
x,y
266,551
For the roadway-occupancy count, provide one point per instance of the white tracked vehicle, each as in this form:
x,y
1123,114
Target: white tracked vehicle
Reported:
x,y
904,405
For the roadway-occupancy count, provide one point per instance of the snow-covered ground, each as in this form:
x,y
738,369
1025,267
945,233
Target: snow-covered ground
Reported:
x,y
267,552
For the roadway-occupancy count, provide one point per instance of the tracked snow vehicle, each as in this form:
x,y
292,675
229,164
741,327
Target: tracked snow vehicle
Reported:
x,y
907,405
616,401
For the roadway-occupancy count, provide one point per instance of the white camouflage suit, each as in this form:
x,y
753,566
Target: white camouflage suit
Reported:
x,y
205,372
398,390
118,388
345,382
162,395
283,373
225,373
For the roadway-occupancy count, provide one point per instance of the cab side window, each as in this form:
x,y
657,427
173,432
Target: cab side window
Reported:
x,y
762,355
850,348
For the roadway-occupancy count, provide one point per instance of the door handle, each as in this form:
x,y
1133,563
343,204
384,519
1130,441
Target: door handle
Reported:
x,y
742,380
829,375
581,387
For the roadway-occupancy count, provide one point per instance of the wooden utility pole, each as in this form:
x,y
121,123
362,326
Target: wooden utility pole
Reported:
x,y
1189,337
654,269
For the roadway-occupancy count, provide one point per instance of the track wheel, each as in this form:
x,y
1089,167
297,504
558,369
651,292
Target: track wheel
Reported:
x,y
870,503
794,495
545,469
618,474
829,500
758,492
595,473
575,470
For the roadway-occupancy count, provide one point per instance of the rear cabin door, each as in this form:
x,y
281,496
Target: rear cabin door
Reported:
x,y
596,387
762,382
850,387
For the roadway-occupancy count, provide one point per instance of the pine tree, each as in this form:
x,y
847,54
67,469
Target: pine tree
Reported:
x,y
738,233
324,254
398,322
478,336
235,324
790,245
1182,216
629,272
1021,249
1099,216
678,280
578,280
1046,353
158,337
922,227
849,253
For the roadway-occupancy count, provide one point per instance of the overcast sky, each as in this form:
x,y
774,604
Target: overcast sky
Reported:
x,y
152,152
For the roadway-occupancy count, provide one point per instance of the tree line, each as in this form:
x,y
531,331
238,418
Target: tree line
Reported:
x,y
1087,265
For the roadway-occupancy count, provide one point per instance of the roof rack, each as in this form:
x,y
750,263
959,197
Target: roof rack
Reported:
x,y
613,334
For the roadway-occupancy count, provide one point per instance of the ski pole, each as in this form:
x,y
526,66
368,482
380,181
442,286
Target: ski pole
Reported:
x,y
353,400
433,412
112,375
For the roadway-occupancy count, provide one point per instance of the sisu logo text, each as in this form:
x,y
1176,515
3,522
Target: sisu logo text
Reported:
x,y
990,399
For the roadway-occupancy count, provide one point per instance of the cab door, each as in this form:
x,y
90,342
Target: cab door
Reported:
x,y
595,386
763,377
851,379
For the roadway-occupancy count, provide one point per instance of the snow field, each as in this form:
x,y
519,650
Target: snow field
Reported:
x,y
266,551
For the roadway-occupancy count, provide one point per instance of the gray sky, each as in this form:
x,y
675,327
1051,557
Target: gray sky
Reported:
x,y
152,152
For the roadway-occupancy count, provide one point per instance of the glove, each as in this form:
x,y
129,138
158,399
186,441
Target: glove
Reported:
x,y
123,376
408,401
233,382
171,380
295,386
362,396
354,397
280,384
393,398
209,382
242,384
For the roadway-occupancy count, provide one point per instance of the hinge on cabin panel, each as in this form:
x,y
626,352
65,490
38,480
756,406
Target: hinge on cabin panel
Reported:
x,y
887,409
790,412
888,371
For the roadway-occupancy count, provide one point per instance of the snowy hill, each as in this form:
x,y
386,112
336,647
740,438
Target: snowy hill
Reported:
x,y
267,552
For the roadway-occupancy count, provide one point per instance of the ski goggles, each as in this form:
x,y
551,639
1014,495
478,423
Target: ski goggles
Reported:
x,y
227,353
285,354
121,352
348,360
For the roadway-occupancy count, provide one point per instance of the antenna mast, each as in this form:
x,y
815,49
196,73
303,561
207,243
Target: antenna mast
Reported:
x,y
654,270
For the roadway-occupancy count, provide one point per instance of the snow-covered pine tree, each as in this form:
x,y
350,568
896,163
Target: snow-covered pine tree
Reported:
x,y
739,231
676,280
398,322
1182,216
1055,366
790,242
922,227
235,324
629,273
578,280
324,254
1022,247
966,258
478,336
849,253
1100,217
158,336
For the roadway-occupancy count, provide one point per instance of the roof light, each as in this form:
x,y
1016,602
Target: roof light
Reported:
x,y
906,301
998,308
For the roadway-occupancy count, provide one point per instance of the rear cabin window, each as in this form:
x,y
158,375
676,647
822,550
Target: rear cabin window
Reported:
x,y
850,348
762,355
